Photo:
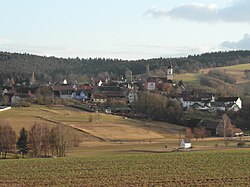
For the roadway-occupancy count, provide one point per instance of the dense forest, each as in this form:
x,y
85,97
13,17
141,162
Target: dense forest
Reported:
x,y
15,65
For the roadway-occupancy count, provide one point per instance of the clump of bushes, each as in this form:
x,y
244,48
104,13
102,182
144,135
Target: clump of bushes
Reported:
x,y
241,144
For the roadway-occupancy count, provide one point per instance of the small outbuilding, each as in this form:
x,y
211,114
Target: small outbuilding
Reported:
x,y
185,144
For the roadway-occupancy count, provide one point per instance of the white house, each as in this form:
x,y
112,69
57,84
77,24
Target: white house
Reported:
x,y
151,86
184,144
230,101
186,103
132,96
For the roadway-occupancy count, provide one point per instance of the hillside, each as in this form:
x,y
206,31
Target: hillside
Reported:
x,y
104,127
235,71
14,65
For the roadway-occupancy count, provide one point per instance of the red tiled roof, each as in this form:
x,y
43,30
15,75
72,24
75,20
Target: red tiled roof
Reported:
x,y
99,96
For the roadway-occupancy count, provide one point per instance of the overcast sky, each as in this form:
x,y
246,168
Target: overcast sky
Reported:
x,y
127,29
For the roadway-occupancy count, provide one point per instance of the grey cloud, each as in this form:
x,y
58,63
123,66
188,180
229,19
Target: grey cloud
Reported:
x,y
237,12
243,44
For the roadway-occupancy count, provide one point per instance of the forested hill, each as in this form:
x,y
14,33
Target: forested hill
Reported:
x,y
16,65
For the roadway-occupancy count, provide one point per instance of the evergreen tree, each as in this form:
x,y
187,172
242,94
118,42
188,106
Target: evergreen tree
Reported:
x,y
22,142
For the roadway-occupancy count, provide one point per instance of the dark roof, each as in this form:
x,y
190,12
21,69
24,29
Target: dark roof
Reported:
x,y
208,124
62,87
192,99
21,95
110,84
218,104
227,99
196,105
109,88
114,94
192,122
5,87
26,89
186,94
67,87
111,91
205,95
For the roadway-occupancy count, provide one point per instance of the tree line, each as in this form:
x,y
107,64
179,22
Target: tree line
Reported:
x,y
159,108
39,141
21,66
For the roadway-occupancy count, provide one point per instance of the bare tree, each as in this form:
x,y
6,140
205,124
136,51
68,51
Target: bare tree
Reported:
x,y
39,139
60,138
200,132
225,127
7,139
188,133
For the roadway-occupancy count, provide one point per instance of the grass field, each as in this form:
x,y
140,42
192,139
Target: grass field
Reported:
x,y
188,78
206,168
239,67
237,71
194,78
104,126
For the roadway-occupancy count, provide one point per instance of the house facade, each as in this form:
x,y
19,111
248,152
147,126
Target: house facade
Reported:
x,y
99,98
132,96
66,91
228,103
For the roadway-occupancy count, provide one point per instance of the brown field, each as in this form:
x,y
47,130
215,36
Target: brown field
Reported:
x,y
108,134
124,152
104,127
192,168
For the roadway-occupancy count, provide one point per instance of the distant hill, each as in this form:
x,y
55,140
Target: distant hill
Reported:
x,y
22,65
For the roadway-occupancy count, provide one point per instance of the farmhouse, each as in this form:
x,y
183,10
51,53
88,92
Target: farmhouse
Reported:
x,y
197,100
99,98
112,93
158,83
229,103
209,125
20,99
67,91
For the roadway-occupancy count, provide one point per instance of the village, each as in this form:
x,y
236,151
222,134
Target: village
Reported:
x,y
119,96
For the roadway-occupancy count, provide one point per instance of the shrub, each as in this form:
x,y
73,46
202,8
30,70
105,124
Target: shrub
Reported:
x,y
226,142
241,144
91,118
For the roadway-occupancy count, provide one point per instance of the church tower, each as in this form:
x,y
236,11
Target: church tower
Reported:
x,y
170,72
33,79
